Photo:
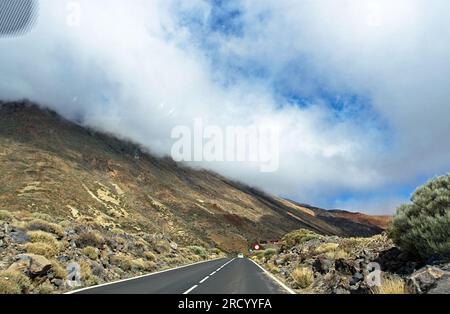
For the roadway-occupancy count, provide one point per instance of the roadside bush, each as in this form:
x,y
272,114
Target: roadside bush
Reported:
x,y
422,228
299,236
273,268
258,254
268,253
39,224
199,251
303,277
129,263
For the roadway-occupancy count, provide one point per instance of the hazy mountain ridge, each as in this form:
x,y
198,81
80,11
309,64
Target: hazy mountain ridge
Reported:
x,y
55,166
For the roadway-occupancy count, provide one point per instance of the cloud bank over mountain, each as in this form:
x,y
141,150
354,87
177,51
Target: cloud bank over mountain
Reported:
x,y
358,89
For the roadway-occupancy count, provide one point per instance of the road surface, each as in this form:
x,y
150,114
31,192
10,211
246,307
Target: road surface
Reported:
x,y
221,276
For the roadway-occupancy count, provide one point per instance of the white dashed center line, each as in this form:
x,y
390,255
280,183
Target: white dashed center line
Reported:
x,y
206,278
190,289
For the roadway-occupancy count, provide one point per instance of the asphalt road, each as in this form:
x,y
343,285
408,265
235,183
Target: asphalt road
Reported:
x,y
222,276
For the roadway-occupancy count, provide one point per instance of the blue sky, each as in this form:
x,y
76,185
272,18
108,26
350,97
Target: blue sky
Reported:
x,y
358,88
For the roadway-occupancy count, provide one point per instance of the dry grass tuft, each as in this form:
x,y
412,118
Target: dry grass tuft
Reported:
x,y
91,238
91,252
326,247
45,288
149,256
42,236
41,248
42,216
129,263
6,215
13,282
39,224
303,277
58,270
391,286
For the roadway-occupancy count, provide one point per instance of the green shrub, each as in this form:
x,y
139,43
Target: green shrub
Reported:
x,y
199,251
258,254
422,228
298,237
268,253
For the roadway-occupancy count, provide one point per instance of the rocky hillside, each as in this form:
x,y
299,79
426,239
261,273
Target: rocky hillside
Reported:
x,y
313,263
69,193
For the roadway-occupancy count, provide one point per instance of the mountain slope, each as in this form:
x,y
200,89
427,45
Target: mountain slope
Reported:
x,y
51,165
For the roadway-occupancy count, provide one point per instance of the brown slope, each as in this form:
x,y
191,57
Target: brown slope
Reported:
x,y
51,165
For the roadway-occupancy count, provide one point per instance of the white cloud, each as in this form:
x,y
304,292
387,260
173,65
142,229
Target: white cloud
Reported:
x,y
133,69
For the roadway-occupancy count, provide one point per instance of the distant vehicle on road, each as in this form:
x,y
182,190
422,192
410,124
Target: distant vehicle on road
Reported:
x,y
240,255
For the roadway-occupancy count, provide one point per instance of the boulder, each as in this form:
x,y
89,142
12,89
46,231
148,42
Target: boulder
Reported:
x,y
323,265
173,246
426,279
33,265
19,236
279,261
97,269
356,278
57,282
442,286
345,267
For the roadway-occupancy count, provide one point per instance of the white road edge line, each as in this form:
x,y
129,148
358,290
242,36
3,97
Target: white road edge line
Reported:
x,y
278,281
204,279
142,276
190,289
